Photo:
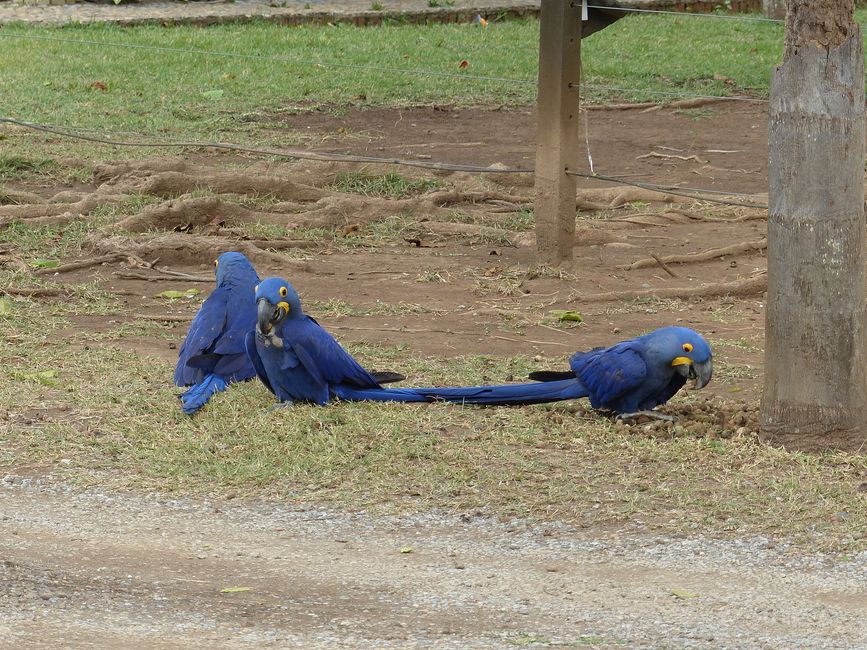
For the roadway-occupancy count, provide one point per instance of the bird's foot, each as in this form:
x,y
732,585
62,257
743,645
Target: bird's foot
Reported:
x,y
277,407
632,418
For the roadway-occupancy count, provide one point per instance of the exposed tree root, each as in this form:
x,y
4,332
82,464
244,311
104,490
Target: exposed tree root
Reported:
x,y
35,292
8,259
472,230
583,237
704,256
83,264
740,288
283,244
158,277
198,228
105,172
171,184
19,197
339,209
694,102
164,318
55,213
614,197
186,213
619,107
182,249
669,156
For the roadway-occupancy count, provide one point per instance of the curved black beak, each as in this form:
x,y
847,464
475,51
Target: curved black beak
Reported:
x,y
702,373
265,312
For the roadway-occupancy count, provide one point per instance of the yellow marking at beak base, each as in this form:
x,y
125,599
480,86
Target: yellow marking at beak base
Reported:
x,y
284,306
679,361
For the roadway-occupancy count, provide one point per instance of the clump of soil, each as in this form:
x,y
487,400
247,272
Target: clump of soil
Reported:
x,y
711,417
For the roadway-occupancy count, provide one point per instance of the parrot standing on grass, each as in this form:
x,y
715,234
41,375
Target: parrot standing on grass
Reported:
x,y
301,362
213,354
633,377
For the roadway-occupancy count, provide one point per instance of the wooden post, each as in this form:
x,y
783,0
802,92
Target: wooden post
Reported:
x,y
557,130
815,391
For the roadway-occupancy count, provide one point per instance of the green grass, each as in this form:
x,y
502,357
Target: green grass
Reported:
x,y
391,185
337,307
56,242
12,166
113,415
113,412
174,95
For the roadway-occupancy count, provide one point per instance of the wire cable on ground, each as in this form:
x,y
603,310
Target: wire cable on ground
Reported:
x,y
693,193
668,93
690,14
283,153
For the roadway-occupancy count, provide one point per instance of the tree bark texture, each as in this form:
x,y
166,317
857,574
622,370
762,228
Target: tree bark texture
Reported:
x,y
815,391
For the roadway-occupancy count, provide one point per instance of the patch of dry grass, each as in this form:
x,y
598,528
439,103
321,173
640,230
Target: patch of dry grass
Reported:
x,y
113,415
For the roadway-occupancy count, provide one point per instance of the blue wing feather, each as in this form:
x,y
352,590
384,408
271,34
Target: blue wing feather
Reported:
x,y
256,360
206,327
324,357
610,374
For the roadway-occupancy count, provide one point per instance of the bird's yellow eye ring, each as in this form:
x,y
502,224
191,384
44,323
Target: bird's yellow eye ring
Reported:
x,y
256,290
216,263
283,292
687,347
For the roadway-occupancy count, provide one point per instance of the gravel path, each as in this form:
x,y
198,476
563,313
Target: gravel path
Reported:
x,y
285,11
92,569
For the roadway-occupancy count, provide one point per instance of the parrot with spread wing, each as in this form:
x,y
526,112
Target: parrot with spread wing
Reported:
x,y
213,354
299,361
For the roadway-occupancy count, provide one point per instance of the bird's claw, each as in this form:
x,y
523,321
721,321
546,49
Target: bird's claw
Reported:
x,y
277,407
632,418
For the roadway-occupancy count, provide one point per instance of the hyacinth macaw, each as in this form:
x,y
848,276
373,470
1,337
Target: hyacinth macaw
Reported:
x,y
299,361
635,376
213,354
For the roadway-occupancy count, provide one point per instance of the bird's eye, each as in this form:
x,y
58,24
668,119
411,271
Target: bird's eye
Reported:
x,y
283,292
216,263
256,289
687,347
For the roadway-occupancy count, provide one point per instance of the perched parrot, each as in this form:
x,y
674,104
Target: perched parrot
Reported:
x,y
213,354
299,361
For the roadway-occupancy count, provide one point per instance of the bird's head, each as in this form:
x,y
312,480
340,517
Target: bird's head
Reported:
x,y
232,267
276,301
686,351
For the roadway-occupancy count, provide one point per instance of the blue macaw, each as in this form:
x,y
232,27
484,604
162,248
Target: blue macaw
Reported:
x,y
299,361
213,354
635,376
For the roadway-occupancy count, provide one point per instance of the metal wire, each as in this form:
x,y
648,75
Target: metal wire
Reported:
x,y
754,19
690,192
263,57
687,192
639,91
283,153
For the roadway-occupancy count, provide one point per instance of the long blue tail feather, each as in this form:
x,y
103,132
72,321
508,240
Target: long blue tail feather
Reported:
x,y
198,395
504,395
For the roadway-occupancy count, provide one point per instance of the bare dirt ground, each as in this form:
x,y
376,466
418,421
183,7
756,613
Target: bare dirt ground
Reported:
x,y
98,569
461,234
